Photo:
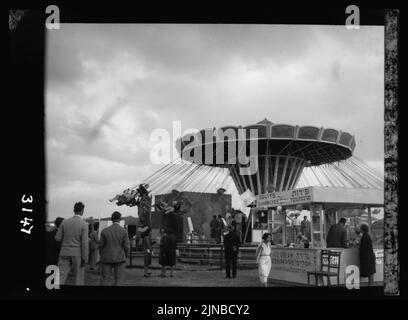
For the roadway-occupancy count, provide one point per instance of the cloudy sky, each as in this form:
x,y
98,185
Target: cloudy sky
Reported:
x,y
108,86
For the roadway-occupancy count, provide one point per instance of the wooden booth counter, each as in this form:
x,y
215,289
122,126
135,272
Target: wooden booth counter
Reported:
x,y
292,264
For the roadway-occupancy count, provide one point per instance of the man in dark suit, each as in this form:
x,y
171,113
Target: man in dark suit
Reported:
x,y
114,248
214,226
53,246
73,235
231,247
337,236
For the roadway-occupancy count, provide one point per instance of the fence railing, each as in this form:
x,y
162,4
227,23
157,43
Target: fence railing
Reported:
x,y
213,254
206,254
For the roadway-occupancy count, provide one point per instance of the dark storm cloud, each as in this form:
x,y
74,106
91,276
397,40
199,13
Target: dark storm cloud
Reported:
x,y
189,49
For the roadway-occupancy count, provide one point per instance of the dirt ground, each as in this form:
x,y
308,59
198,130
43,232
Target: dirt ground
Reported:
x,y
185,275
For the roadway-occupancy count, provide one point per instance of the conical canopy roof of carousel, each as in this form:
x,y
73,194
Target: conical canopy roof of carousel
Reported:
x,y
288,157
280,153
314,145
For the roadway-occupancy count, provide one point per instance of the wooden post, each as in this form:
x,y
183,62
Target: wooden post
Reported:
x,y
283,228
221,256
130,258
258,179
249,222
311,226
322,227
275,173
283,174
131,254
266,173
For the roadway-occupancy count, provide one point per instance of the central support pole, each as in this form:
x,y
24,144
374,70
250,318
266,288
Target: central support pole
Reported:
x,y
369,220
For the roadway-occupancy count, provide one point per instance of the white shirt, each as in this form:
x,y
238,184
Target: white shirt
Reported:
x,y
296,221
266,249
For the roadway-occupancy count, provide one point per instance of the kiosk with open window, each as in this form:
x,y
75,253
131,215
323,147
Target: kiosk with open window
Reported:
x,y
325,206
259,221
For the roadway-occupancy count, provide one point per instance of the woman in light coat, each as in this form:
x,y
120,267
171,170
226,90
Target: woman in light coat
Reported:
x,y
263,260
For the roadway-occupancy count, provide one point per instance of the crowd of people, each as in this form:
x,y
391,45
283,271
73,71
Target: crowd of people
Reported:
x,y
218,227
301,230
337,238
73,244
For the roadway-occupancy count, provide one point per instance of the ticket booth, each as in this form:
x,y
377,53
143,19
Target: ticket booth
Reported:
x,y
325,206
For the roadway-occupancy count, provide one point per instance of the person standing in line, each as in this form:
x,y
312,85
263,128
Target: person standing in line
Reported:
x,y
114,249
220,229
172,208
296,224
214,224
53,246
366,255
159,237
238,224
93,244
337,235
263,260
168,249
145,234
74,254
305,227
229,219
162,253
231,248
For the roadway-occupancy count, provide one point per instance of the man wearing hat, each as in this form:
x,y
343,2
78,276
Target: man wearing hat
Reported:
x,y
231,247
114,248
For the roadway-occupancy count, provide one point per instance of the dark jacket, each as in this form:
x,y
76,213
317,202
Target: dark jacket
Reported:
x,y
114,244
337,236
214,225
170,222
367,256
147,245
305,227
231,242
53,247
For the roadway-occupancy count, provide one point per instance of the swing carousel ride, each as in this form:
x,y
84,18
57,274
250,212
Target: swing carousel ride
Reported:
x,y
287,157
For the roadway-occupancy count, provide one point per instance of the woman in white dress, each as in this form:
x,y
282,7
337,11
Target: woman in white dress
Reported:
x,y
263,254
